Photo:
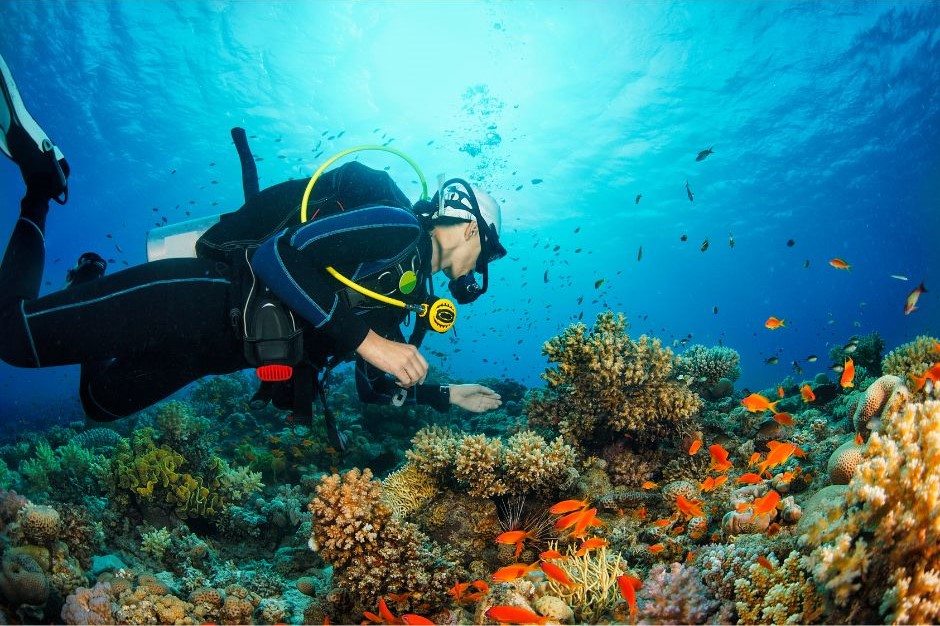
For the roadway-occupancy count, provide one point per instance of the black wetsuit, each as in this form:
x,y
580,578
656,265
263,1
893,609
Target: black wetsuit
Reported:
x,y
145,332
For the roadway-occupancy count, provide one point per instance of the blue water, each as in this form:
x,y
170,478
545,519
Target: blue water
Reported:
x,y
823,117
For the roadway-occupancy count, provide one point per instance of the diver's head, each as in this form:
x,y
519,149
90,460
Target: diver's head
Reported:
x,y
467,221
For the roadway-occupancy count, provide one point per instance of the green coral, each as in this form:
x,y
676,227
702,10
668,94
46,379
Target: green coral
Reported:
x,y
156,542
154,474
604,382
70,470
178,422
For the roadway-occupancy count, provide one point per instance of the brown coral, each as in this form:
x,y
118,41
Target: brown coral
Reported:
x,y
844,460
911,359
603,380
40,524
23,581
407,489
883,397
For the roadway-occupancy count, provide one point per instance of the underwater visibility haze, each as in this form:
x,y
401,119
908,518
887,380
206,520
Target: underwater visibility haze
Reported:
x,y
718,402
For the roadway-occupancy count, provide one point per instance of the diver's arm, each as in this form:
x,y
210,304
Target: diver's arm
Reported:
x,y
375,387
292,264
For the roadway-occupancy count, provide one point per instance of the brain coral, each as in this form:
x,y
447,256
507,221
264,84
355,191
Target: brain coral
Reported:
x,y
843,461
603,381
885,396
882,555
40,524
23,581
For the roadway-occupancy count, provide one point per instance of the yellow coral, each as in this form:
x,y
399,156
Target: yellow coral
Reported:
x,y
595,576
478,459
408,489
843,461
783,595
911,359
893,498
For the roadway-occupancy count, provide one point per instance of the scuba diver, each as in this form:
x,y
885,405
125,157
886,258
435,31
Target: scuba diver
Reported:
x,y
273,286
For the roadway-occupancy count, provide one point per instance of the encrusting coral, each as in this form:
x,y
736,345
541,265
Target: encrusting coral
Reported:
x,y
372,552
882,553
604,381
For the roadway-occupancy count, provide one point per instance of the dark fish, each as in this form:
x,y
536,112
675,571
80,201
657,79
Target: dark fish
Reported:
x,y
577,230
704,153
172,171
797,368
715,310
109,236
772,361
430,142
577,250
580,299
684,237
519,187
536,181
638,196
545,277
340,134
688,192
212,164
556,248
704,246
730,240
790,243
598,283
118,248
805,264
639,254
215,182
278,140
581,315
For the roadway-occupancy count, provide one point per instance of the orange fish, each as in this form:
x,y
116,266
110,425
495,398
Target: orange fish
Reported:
x,y
784,419
514,615
807,392
512,572
773,323
720,480
557,574
695,446
764,505
551,554
588,519
628,586
398,597
690,556
749,478
567,506
708,484
590,544
412,618
848,374
569,520
386,614
648,485
773,529
656,548
756,402
755,457
932,374
858,439
662,522
911,303
839,264
780,391
761,560
778,455
691,508
719,456
641,512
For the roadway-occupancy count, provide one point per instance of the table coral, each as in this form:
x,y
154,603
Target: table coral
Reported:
x,y
887,542
602,380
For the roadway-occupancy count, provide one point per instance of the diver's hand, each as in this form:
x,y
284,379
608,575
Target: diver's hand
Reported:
x,y
475,398
401,360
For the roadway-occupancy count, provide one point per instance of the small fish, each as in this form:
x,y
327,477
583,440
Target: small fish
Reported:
x,y
755,457
512,572
695,447
773,323
837,368
910,304
536,181
749,478
756,402
628,586
704,246
715,310
812,358
807,393
567,506
765,505
796,367
662,523
763,562
513,536
730,240
719,455
848,374
551,554
899,276
557,574
771,360
683,237
704,153
514,615
839,264
637,200
806,264
545,277
784,419
648,484
412,618
639,254
780,392
656,548
849,348
790,243
599,282
688,192
932,374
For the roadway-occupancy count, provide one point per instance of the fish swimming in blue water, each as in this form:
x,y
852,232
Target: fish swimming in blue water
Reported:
x,y
704,154
688,192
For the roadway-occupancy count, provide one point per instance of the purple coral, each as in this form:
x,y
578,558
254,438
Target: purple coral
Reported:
x,y
674,596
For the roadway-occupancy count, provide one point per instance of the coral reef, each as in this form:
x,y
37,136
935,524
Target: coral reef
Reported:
x,y
883,552
95,438
865,351
703,369
603,382
911,359
408,488
372,552
595,576
674,595
89,606
883,397
487,467
779,594
843,461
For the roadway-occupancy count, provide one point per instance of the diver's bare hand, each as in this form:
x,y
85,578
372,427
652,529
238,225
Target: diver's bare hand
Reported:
x,y
401,360
475,398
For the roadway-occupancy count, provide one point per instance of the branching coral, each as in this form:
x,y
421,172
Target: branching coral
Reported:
x,y
595,576
603,381
489,467
407,489
782,594
373,553
892,500
674,596
911,359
